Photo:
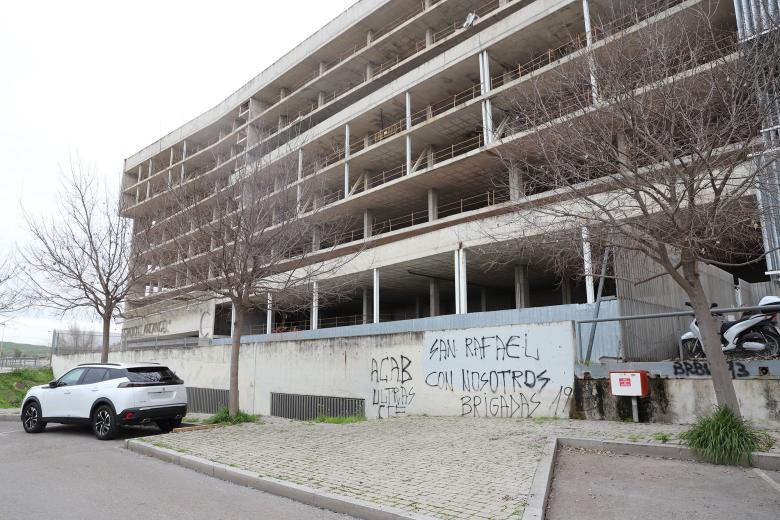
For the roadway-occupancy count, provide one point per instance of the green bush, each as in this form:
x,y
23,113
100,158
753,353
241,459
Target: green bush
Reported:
x,y
339,420
223,417
724,438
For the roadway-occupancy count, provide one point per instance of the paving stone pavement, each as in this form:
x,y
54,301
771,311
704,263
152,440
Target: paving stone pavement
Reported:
x,y
454,468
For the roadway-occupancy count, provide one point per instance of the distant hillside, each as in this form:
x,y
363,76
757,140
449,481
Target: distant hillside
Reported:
x,y
9,347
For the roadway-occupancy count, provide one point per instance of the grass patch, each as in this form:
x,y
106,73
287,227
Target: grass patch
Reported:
x,y
14,385
724,438
223,417
339,420
662,437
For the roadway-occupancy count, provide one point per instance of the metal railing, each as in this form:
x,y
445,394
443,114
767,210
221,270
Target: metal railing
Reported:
x,y
676,314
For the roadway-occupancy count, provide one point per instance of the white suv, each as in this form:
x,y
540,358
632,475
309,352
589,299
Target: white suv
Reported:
x,y
107,396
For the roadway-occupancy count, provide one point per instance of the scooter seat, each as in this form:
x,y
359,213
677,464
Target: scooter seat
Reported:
x,y
728,324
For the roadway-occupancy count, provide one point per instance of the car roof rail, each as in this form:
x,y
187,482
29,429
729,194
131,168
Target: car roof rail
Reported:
x,y
110,364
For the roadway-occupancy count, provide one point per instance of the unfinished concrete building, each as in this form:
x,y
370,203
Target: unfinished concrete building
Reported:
x,y
411,93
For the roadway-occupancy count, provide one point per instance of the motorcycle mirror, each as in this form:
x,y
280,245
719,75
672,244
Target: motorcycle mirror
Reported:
x,y
713,305
688,304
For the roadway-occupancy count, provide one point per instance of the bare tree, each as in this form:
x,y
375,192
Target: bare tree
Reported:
x,y
11,298
651,141
243,233
80,258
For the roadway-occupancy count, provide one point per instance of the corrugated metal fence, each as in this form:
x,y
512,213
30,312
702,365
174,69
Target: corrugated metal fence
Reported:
x,y
206,400
307,407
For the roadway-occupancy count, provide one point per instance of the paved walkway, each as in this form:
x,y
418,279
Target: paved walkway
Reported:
x,y
442,467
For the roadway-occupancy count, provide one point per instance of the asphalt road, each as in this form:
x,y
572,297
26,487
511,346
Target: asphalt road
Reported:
x,y
65,473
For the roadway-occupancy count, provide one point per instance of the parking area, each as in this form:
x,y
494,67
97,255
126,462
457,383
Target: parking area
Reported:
x,y
590,485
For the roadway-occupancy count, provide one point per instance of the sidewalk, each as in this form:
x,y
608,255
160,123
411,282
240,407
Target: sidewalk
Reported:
x,y
9,414
454,468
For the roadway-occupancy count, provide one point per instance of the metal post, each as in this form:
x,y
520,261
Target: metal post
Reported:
x,y
315,306
635,409
269,314
588,259
598,304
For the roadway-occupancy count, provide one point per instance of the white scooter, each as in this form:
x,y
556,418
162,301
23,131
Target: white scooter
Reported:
x,y
754,334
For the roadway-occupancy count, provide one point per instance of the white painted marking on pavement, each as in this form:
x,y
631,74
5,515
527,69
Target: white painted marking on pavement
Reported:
x,y
13,431
769,479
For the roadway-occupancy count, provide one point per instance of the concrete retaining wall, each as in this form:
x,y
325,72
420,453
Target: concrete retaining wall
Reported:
x,y
678,400
502,371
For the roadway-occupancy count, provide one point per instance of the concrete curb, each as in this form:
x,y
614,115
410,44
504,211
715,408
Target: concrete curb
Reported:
x,y
536,507
313,497
765,461
7,417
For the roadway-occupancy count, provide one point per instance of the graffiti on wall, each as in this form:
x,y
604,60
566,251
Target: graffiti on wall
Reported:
x,y
391,381
519,371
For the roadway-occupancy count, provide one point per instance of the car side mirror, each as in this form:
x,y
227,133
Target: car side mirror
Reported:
x,y
53,384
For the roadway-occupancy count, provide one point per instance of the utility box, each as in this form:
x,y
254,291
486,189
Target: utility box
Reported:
x,y
629,383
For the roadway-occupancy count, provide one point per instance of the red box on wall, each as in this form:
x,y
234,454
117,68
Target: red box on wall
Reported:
x,y
629,383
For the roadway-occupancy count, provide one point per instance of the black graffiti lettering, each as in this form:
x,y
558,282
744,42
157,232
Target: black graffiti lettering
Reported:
x,y
442,349
405,364
442,380
701,369
391,369
678,368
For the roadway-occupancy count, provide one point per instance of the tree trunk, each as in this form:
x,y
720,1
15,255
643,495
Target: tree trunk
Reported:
x,y
106,338
710,336
238,326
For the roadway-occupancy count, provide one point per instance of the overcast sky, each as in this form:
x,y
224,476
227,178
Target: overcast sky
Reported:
x,y
101,80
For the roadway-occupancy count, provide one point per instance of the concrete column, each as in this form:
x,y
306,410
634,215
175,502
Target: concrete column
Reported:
x,y
522,287
282,121
316,237
366,305
346,180
588,259
269,314
428,37
483,299
376,295
457,281
463,283
433,289
320,99
346,163
461,291
300,164
516,188
183,149
368,223
408,121
433,205
172,157
589,38
283,93
369,37
140,173
315,306
487,109
427,4
565,291
151,169
369,71
323,68
232,320
417,312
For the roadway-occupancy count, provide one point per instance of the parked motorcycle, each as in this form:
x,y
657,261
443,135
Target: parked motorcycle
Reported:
x,y
755,334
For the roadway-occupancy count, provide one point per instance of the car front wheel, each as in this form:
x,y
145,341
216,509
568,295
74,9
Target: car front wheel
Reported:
x,y
104,423
32,419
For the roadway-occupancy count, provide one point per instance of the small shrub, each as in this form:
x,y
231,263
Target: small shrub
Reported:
x,y
724,438
339,420
662,437
223,417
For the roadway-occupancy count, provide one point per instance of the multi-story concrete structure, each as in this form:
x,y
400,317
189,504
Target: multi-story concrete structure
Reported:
x,y
412,93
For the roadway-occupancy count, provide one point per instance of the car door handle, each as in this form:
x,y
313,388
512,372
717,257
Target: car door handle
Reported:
x,y
94,389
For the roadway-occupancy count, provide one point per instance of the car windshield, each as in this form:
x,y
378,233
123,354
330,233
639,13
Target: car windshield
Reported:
x,y
151,375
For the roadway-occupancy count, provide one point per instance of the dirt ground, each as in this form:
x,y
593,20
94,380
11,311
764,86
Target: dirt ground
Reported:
x,y
604,486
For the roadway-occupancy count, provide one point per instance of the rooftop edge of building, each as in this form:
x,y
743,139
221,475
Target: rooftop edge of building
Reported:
x,y
341,23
